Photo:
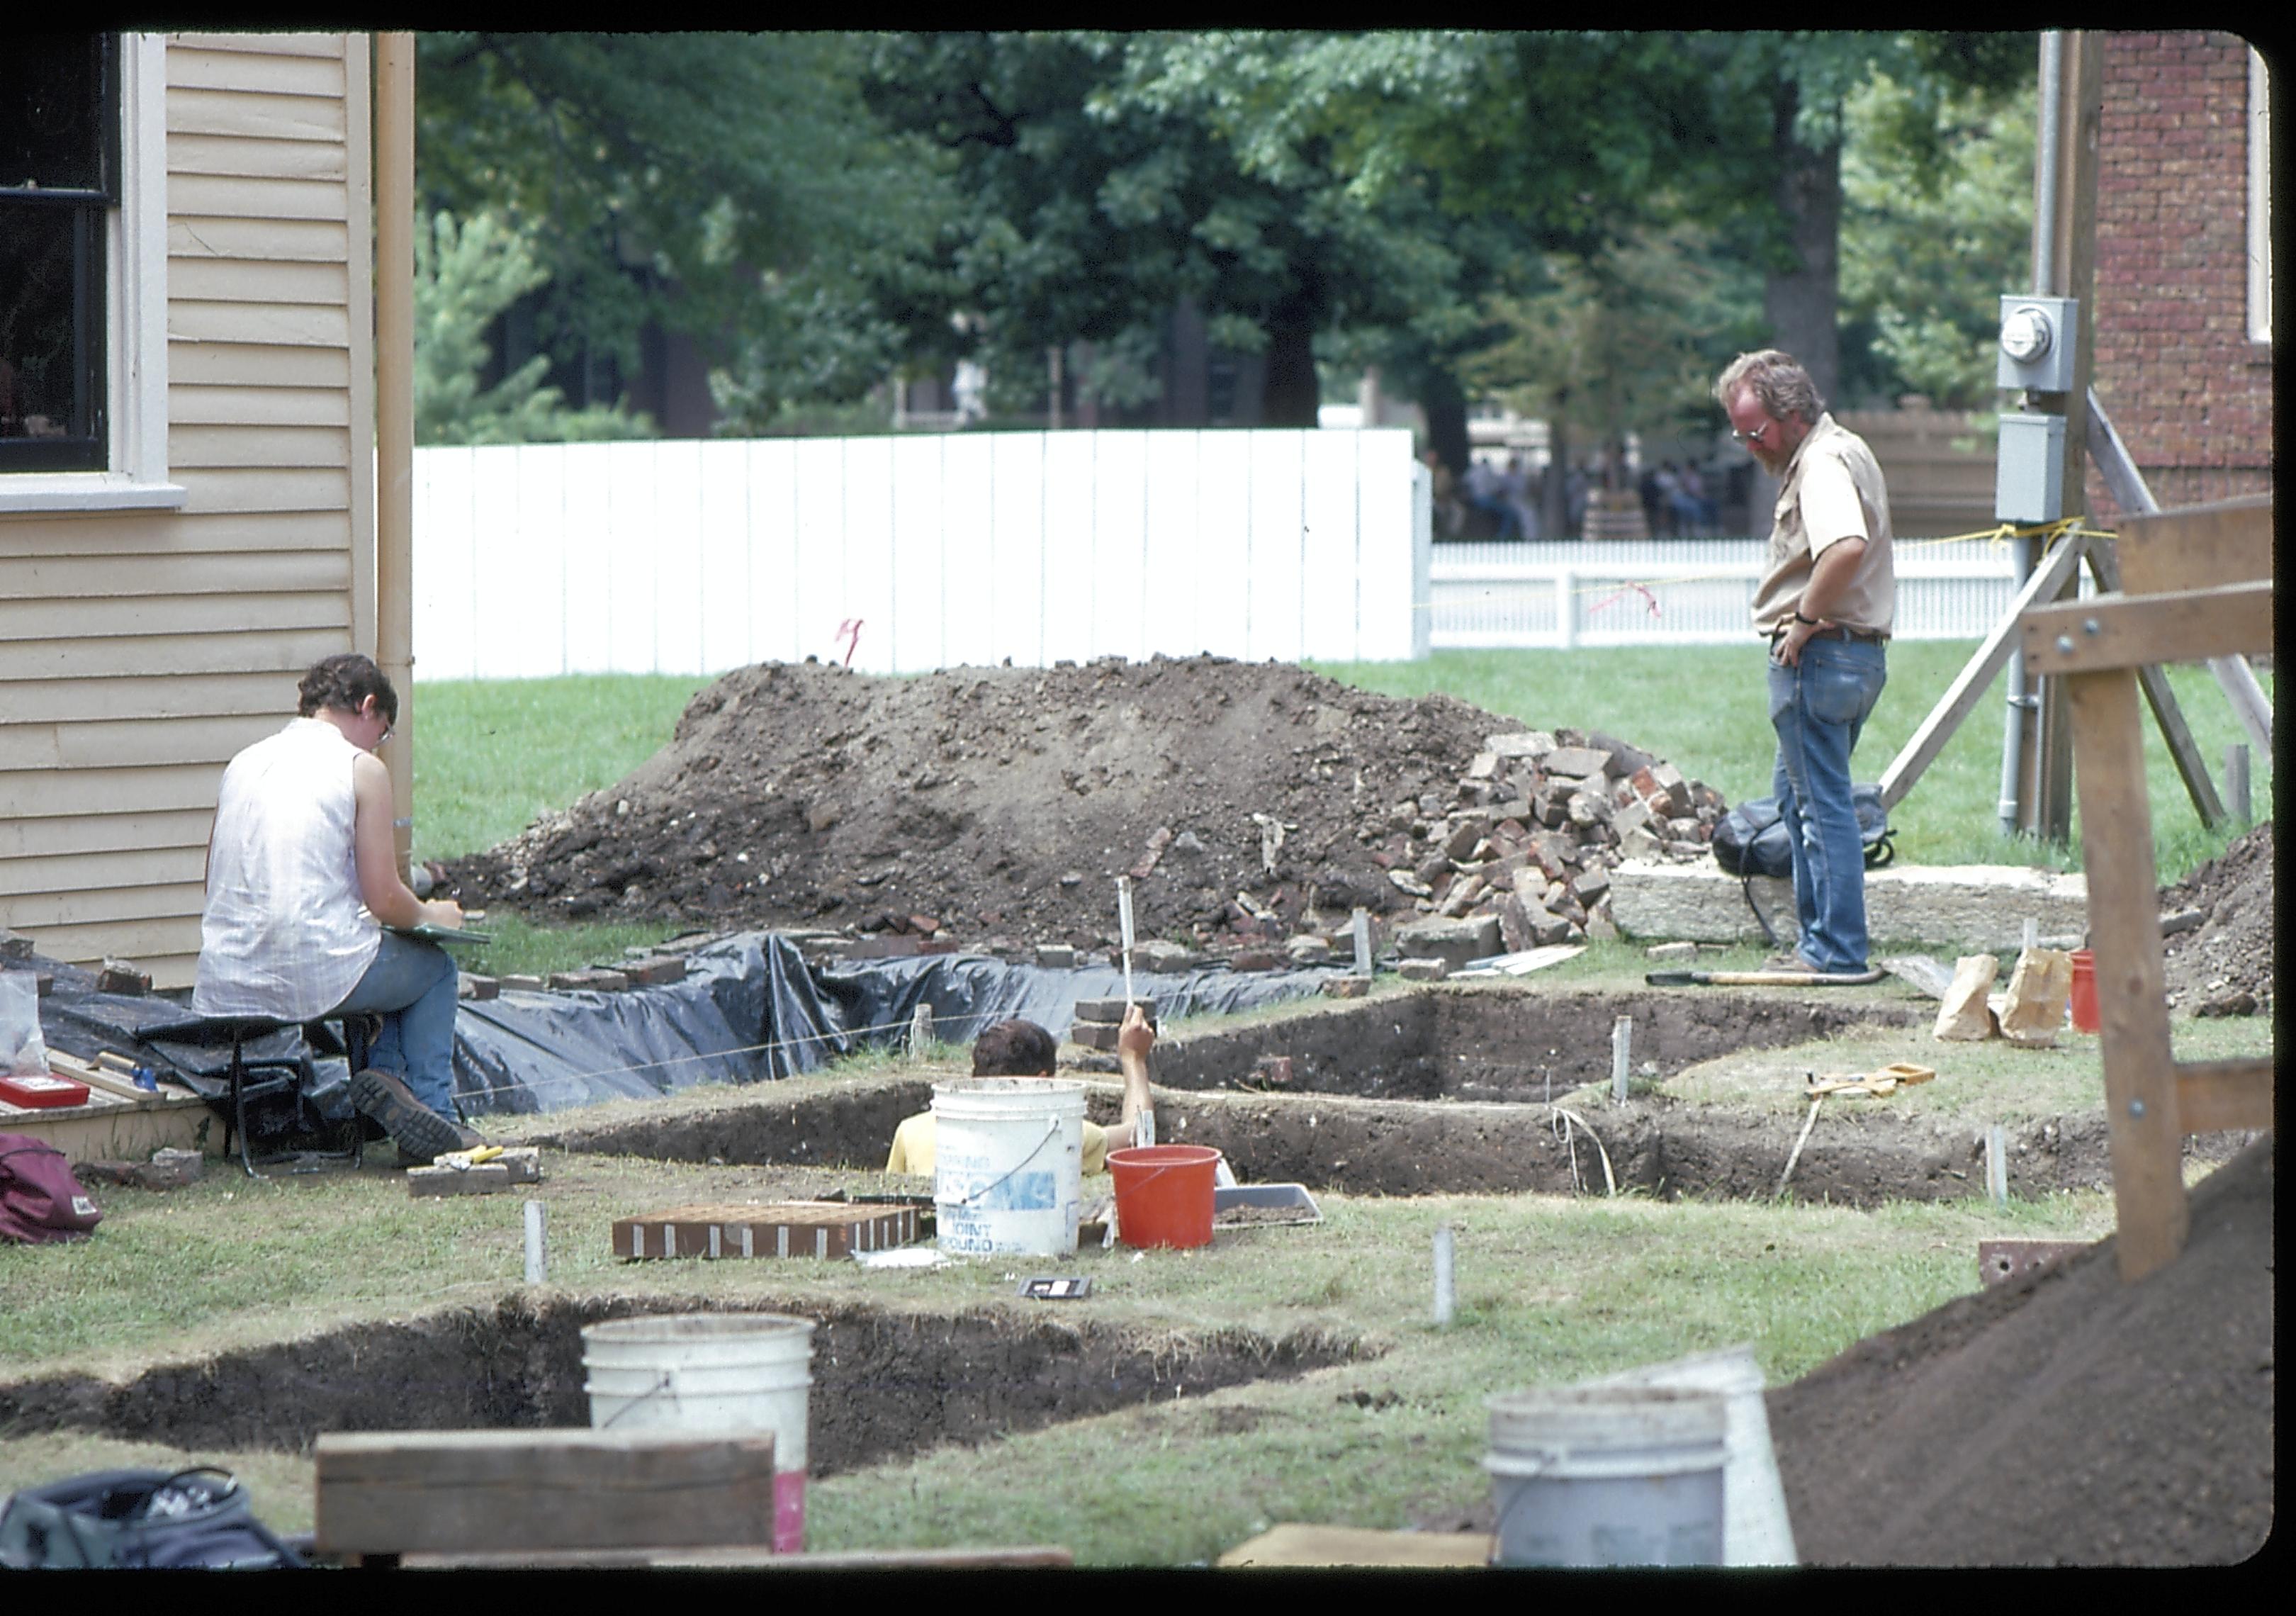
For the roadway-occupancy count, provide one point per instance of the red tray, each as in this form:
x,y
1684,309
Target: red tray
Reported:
x,y
37,1091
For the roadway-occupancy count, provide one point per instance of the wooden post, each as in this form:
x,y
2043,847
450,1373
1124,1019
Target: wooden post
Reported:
x,y
2237,781
2046,808
2140,1093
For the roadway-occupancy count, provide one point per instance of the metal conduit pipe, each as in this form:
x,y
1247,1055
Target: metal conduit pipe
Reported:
x,y
2045,274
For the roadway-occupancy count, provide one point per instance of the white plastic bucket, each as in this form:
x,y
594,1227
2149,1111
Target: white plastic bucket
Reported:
x,y
715,1372
1755,1529
1008,1166
1601,1475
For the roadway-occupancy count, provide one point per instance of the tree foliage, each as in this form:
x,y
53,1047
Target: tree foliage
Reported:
x,y
731,186
1110,177
465,275
1938,223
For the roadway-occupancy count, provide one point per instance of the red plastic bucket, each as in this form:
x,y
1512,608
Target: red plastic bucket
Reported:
x,y
1164,1193
2084,994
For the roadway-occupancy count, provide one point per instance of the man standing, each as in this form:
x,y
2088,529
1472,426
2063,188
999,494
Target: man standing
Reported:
x,y
1826,604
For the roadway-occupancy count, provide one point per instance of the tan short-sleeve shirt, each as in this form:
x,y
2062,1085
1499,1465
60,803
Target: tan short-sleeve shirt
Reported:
x,y
1833,490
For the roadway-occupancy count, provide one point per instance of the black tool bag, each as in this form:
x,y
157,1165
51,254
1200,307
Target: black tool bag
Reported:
x,y
1751,840
140,1519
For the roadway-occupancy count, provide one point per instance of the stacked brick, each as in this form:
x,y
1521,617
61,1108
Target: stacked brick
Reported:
x,y
1537,824
2175,366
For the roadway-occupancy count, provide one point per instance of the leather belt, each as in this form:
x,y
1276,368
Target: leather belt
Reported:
x,y
1839,631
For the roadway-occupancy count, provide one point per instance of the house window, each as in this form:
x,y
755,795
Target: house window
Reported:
x,y
84,274
59,181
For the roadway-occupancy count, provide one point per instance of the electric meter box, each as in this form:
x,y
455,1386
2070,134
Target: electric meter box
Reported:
x,y
2036,342
2029,480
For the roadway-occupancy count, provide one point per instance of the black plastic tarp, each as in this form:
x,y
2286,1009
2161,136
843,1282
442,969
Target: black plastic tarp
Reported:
x,y
749,1009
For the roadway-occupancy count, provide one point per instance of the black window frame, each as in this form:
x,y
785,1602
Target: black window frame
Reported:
x,y
85,445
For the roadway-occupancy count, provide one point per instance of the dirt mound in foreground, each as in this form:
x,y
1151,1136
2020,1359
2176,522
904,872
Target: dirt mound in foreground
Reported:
x,y
2069,1420
1244,798
2223,966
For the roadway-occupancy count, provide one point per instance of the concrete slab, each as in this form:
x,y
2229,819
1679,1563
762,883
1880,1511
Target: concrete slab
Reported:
x,y
1972,906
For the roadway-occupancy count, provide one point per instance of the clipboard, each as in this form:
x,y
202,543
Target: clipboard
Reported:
x,y
429,933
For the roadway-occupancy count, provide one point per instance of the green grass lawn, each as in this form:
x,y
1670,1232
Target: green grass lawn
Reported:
x,y
491,756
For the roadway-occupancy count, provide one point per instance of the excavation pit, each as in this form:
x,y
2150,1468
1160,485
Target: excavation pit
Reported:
x,y
1461,1091
885,1384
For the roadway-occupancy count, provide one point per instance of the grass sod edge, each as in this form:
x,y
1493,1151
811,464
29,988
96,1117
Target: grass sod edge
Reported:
x,y
1550,1290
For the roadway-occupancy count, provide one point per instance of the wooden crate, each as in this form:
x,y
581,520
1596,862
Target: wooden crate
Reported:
x,y
783,1228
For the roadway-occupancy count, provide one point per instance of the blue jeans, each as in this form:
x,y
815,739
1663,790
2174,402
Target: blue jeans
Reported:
x,y
1818,708
411,985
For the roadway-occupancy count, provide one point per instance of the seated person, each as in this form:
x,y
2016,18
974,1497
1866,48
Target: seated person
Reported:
x,y
1022,1049
302,876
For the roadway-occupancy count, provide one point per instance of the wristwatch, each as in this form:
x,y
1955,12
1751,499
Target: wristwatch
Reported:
x,y
1812,621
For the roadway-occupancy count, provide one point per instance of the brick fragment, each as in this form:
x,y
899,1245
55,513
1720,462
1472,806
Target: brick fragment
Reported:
x,y
486,1178
1346,987
123,977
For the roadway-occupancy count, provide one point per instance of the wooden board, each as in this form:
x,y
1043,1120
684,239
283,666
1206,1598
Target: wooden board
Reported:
x,y
2197,546
1297,1544
111,1130
786,1229
2214,1094
2124,910
494,1491
2189,626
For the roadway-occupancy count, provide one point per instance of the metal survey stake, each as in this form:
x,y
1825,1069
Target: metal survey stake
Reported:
x,y
1996,1164
1124,928
1622,1043
1361,926
534,1252
1443,1290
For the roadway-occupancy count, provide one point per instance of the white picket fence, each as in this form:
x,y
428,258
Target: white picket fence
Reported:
x,y
1683,591
909,554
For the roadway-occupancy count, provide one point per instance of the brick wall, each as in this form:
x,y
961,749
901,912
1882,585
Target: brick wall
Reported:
x,y
2191,395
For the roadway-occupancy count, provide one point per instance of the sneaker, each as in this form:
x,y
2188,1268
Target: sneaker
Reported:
x,y
385,1096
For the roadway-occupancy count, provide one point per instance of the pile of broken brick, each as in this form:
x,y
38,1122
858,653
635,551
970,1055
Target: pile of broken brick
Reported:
x,y
1521,858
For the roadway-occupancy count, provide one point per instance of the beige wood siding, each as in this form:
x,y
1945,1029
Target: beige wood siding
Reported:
x,y
140,650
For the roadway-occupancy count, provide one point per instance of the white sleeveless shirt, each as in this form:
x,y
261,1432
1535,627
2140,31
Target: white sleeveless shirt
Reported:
x,y
284,934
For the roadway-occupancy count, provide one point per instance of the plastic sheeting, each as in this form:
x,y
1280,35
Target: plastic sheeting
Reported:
x,y
750,1009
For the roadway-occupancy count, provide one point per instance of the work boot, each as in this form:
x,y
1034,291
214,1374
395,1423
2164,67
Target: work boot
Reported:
x,y
385,1096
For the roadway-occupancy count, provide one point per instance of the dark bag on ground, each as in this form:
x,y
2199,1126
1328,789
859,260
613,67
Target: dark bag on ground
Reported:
x,y
1751,840
140,1519
40,1200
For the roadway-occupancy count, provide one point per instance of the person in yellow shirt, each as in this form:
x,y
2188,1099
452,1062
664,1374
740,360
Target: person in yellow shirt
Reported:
x,y
1022,1049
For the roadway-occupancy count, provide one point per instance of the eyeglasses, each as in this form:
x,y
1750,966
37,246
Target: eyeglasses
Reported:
x,y
1753,436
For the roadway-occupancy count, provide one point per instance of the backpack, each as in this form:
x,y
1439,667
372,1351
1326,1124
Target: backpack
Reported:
x,y
152,1519
40,1200
1751,840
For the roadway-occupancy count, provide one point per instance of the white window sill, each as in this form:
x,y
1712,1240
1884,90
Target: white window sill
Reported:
x,y
70,493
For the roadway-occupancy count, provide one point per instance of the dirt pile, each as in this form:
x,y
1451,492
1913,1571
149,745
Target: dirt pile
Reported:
x,y
2070,1419
2223,964
1249,802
